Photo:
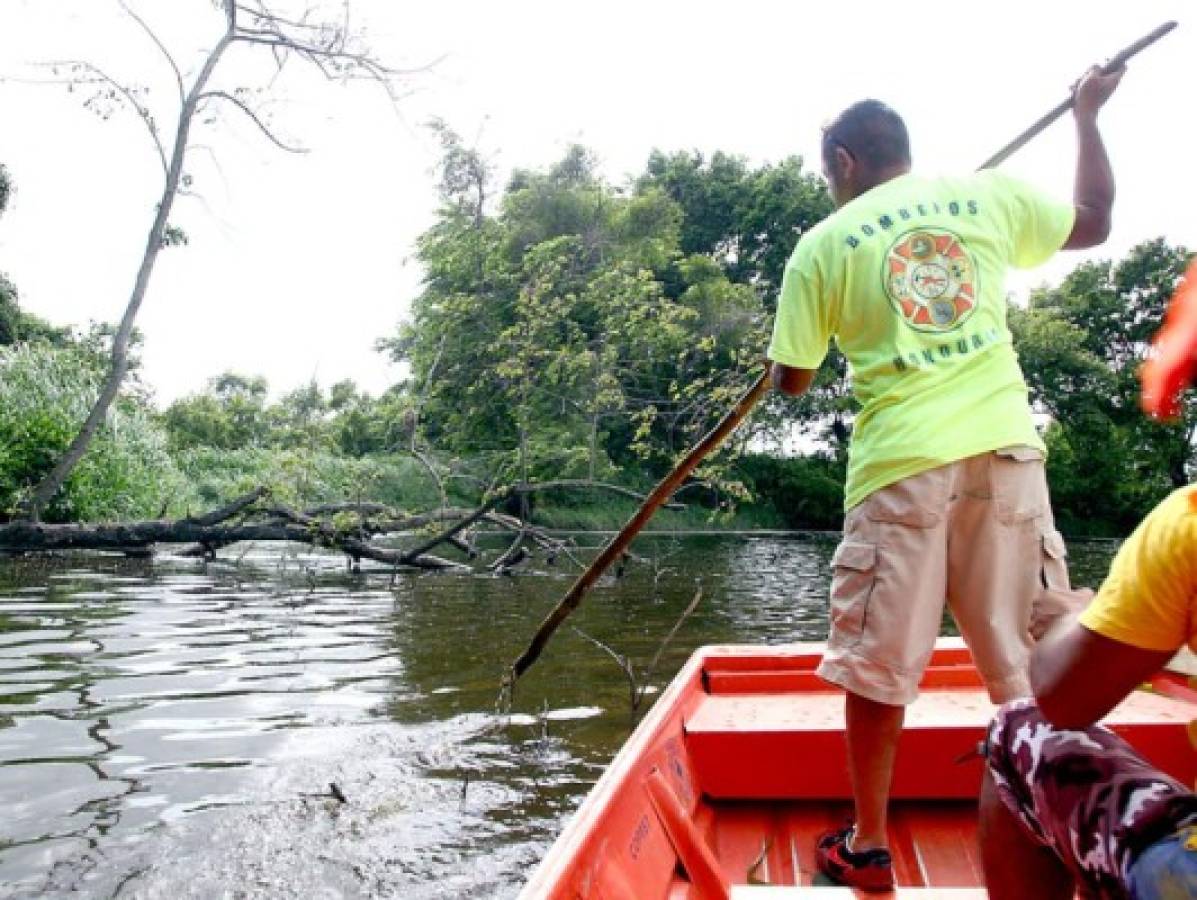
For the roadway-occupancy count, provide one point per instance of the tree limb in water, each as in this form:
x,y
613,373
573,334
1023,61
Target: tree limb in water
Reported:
x,y
638,687
348,527
516,490
23,536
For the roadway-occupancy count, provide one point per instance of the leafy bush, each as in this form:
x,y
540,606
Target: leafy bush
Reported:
x,y
806,491
302,478
45,395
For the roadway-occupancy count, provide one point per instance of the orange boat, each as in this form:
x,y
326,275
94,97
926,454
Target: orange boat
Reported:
x,y
725,785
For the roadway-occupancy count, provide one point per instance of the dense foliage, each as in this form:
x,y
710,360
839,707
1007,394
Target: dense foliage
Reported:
x,y
571,327
1081,345
302,477
581,328
584,329
45,393
234,412
310,446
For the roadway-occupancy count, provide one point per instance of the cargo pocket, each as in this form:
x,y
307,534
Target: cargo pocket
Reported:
x,y
1018,485
855,572
1054,572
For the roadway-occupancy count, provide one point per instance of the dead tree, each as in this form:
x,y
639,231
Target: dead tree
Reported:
x,y
329,45
349,528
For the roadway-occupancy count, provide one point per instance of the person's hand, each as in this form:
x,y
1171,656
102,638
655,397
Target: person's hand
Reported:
x,y
1092,90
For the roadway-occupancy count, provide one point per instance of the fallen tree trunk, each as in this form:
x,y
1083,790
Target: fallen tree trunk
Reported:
x,y
345,527
127,538
388,522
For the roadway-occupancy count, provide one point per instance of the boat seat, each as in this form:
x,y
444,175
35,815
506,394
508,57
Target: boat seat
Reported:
x,y
787,745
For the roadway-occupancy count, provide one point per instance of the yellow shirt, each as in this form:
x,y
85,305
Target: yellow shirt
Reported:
x,y
909,278
1149,599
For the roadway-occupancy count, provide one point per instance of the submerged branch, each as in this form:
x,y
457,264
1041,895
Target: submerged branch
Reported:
x,y
213,530
487,509
348,527
652,666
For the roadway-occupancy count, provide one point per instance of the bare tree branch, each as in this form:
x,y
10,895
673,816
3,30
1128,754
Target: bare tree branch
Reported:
x,y
413,446
638,687
623,662
227,512
348,62
158,43
102,77
652,666
52,483
253,116
432,473
264,15
517,490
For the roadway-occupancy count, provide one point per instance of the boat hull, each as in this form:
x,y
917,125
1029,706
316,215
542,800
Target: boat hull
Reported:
x,y
741,764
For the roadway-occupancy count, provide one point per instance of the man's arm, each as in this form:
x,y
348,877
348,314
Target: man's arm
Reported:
x,y
793,382
1078,675
1093,190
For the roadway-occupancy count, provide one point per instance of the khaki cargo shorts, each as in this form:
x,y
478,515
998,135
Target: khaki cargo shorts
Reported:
x,y
976,534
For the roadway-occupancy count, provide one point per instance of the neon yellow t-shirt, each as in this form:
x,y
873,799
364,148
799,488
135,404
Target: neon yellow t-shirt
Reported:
x,y
909,279
1149,599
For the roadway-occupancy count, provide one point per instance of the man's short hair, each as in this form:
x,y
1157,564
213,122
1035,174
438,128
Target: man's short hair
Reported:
x,y
871,132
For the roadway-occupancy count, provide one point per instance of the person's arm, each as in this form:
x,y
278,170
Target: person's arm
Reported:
x,y
791,381
802,326
1093,190
1078,676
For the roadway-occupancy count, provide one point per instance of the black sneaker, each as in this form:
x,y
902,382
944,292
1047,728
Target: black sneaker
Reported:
x,y
869,870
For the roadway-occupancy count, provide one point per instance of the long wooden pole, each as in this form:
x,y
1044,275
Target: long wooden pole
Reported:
x,y
663,491
1116,62
618,544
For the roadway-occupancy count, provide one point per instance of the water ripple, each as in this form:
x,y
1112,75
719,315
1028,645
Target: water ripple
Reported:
x,y
171,728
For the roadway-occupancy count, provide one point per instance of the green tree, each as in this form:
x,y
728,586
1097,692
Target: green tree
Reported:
x,y
563,331
363,425
1081,345
229,414
748,220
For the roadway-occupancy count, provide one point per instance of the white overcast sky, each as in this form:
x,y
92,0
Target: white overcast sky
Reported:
x,y
297,264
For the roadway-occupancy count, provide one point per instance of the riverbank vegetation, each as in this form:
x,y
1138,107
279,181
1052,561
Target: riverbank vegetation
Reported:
x,y
571,327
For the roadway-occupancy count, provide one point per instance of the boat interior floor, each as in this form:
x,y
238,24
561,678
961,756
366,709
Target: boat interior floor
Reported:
x,y
934,844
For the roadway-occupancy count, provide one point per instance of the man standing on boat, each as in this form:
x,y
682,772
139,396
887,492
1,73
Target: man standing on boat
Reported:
x,y
946,496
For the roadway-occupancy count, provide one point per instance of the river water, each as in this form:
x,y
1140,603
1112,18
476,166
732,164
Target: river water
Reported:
x,y
171,728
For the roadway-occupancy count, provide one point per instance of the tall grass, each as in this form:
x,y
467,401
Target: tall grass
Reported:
x,y
45,395
303,477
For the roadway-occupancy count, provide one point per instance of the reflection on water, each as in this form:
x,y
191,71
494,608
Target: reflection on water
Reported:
x,y
171,729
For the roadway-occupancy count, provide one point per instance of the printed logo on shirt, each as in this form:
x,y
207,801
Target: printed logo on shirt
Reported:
x,y
930,278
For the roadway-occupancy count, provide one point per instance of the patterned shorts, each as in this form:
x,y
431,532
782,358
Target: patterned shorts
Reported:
x,y
1086,795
